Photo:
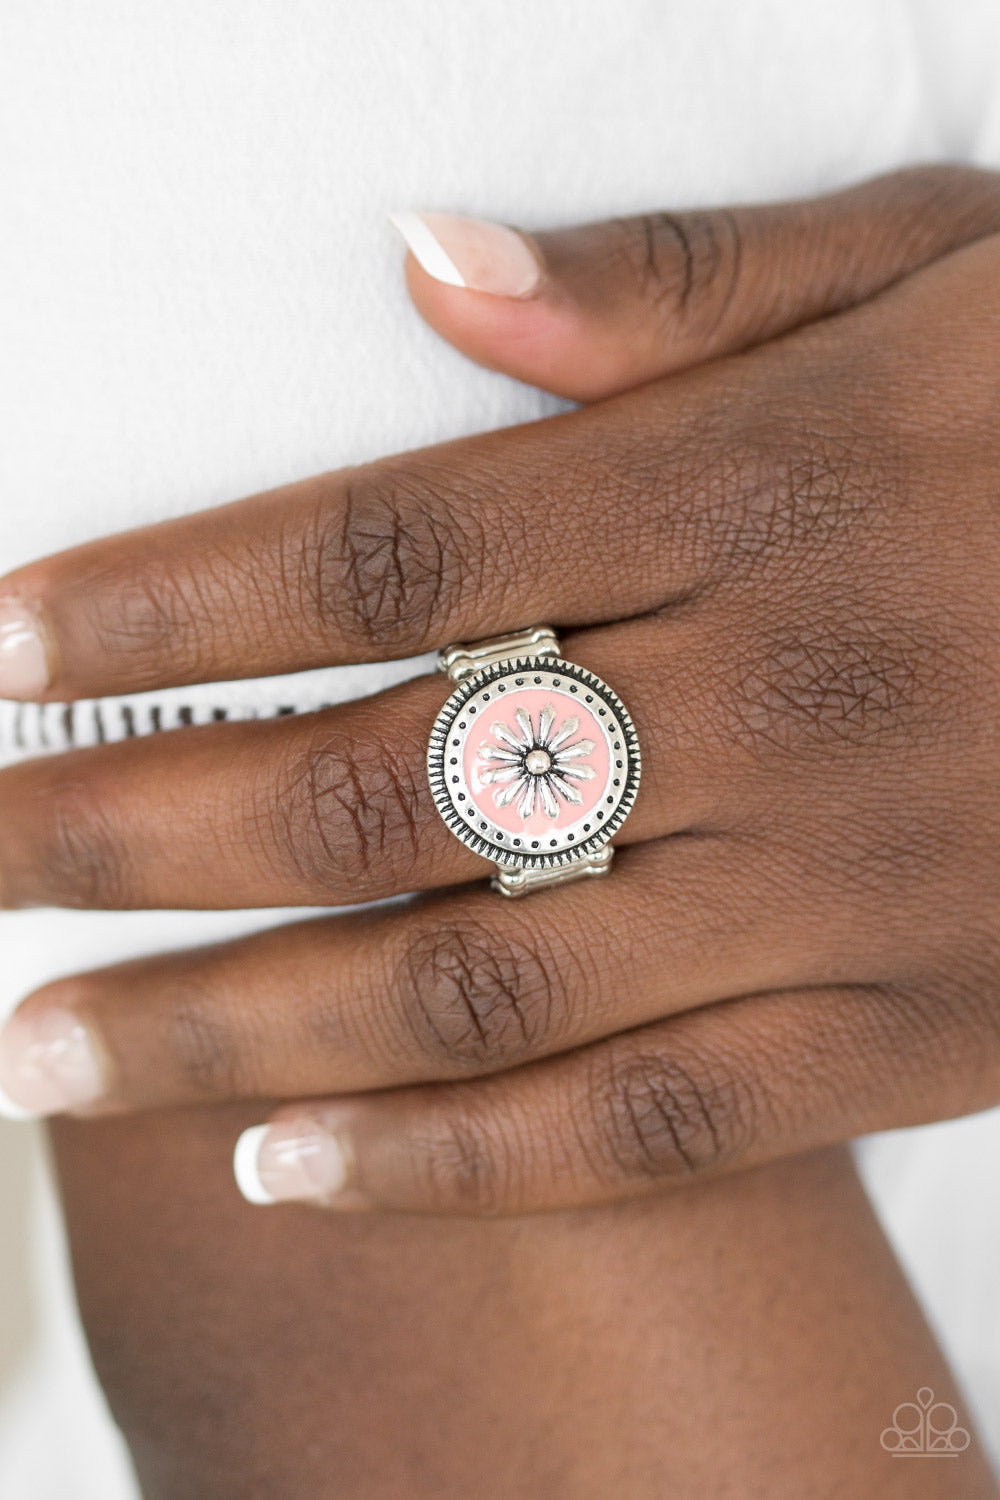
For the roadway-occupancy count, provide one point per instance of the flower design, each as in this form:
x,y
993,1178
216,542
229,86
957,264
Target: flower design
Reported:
x,y
536,767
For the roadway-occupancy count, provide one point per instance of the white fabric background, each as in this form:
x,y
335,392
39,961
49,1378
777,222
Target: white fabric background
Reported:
x,y
199,296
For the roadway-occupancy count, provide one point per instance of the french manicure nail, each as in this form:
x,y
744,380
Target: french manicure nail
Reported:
x,y
471,253
289,1160
24,671
48,1064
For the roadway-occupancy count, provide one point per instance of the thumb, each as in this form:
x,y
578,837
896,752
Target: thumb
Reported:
x,y
599,308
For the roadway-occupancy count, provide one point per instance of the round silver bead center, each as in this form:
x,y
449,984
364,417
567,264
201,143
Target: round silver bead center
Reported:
x,y
537,762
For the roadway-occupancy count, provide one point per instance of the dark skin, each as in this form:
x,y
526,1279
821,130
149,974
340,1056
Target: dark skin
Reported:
x,y
779,544
784,560
748,1337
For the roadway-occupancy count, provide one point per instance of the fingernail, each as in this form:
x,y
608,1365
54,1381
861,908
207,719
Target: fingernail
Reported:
x,y
48,1064
471,253
288,1161
24,671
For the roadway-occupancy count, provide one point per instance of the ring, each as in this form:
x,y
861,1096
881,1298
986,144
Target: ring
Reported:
x,y
533,761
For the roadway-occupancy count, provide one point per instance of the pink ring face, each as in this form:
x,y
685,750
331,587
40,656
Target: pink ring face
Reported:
x,y
541,765
533,762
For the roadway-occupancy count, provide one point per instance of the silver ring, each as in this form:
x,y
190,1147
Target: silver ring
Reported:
x,y
533,761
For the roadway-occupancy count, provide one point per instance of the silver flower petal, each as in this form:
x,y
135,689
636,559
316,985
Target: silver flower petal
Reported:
x,y
545,721
501,774
574,751
527,804
569,726
506,794
524,724
578,773
567,793
549,802
509,738
501,758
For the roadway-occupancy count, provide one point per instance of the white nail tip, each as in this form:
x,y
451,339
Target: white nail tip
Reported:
x,y
245,1165
427,248
11,1111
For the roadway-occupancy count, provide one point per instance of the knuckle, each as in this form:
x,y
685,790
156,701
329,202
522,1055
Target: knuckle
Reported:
x,y
462,1164
351,808
201,1046
666,1118
476,1001
80,859
392,562
822,686
759,490
160,613
810,491
847,663
685,266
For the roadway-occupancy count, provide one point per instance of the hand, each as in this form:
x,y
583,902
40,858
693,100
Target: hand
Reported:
x,y
780,545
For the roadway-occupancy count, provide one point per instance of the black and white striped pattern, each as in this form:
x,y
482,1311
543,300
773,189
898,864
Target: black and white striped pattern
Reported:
x,y
28,729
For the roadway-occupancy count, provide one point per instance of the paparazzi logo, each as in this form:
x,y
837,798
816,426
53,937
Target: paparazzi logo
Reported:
x,y
925,1428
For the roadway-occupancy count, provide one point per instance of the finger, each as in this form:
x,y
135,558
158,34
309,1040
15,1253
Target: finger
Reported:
x,y
452,987
457,542
578,519
331,808
712,1091
601,308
